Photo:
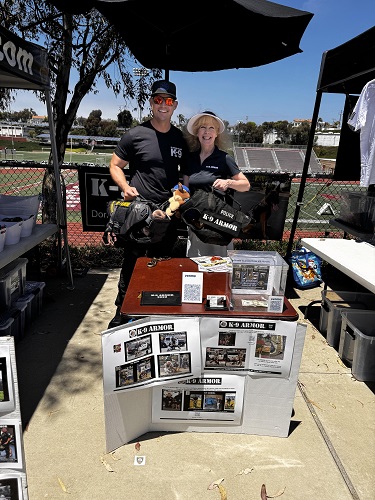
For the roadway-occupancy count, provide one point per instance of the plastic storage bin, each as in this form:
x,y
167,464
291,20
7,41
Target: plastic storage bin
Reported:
x,y
333,302
12,282
26,300
36,289
12,322
357,343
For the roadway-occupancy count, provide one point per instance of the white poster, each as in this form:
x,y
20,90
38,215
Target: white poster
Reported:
x,y
7,402
242,346
148,352
211,397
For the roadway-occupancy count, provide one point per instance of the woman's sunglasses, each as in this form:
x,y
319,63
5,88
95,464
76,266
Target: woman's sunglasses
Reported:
x,y
169,101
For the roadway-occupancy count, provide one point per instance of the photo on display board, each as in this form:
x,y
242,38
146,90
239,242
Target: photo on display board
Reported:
x,y
7,403
10,444
11,487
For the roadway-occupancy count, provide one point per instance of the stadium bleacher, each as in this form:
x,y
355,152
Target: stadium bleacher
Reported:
x,y
275,160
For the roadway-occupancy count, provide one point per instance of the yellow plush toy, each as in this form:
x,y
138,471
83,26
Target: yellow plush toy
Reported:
x,y
180,194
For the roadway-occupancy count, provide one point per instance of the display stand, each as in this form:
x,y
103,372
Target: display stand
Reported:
x,y
267,400
12,474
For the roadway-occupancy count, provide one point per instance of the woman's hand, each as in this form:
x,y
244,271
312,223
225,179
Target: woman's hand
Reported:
x,y
222,184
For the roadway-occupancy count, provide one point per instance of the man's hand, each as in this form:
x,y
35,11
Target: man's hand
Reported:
x,y
130,193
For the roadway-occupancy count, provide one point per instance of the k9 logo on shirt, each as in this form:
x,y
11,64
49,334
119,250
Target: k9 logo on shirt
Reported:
x,y
176,152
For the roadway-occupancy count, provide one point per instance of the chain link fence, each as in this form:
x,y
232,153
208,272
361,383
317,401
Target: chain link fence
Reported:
x,y
321,203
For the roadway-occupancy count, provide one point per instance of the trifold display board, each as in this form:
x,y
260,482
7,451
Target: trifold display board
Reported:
x,y
13,483
200,374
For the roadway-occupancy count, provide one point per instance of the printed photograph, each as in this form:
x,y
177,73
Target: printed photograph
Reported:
x,y
229,401
213,401
4,389
176,341
145,370
225,357
10,445
10,488
215,357
227,338
117,348
138,348
171,400
174,364
270,346
195,401
124,375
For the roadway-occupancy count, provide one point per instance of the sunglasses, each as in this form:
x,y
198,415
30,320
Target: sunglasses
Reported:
x,y
169,101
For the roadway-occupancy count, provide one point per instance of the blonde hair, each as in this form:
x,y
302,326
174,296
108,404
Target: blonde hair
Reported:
x,y
221,141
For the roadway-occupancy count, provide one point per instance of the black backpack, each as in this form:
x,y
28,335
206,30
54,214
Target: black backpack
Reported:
x,y
139,221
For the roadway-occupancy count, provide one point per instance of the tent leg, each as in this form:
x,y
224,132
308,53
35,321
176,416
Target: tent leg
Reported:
x,y
61,217
305,169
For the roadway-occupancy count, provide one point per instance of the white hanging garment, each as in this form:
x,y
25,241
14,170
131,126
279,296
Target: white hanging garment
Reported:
x,y
362,118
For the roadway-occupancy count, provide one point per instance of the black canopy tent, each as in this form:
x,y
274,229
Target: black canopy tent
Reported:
x,y
24,65
344,70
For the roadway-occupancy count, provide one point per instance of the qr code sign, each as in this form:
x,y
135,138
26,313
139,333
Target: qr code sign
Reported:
x,y
192,293
192,287
275,304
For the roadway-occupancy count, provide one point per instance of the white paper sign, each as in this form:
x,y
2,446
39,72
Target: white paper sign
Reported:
x,y
243,346
192,287
150,352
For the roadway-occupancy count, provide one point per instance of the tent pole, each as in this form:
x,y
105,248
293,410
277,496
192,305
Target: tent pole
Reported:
x,y
61,218
305,169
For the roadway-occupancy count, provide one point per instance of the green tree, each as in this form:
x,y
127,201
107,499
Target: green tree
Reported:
x,y
84,44
125,118
93,122
300,135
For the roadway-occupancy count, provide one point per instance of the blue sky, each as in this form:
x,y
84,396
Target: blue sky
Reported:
x,y
283,90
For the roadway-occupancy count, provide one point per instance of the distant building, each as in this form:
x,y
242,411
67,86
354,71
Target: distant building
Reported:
x,y
297,122
10,131
38,120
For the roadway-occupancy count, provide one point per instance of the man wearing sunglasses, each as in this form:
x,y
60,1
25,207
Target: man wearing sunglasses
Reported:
x,y
155,153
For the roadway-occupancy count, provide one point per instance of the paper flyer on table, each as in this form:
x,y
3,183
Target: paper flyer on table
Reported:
x,y
150,352
211,397
242,346
213,264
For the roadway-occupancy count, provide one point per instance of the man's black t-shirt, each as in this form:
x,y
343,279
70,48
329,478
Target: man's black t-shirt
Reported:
x,y
154,158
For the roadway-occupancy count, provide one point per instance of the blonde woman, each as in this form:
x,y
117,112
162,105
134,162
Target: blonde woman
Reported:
x,y
210,166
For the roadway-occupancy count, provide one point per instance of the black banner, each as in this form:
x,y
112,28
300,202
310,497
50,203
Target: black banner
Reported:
x,y
96,188
23,65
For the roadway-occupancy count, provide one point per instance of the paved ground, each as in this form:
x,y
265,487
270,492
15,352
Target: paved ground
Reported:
x,y
329,453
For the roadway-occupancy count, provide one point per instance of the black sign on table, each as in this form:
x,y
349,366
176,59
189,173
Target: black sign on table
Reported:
x,y
96,188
